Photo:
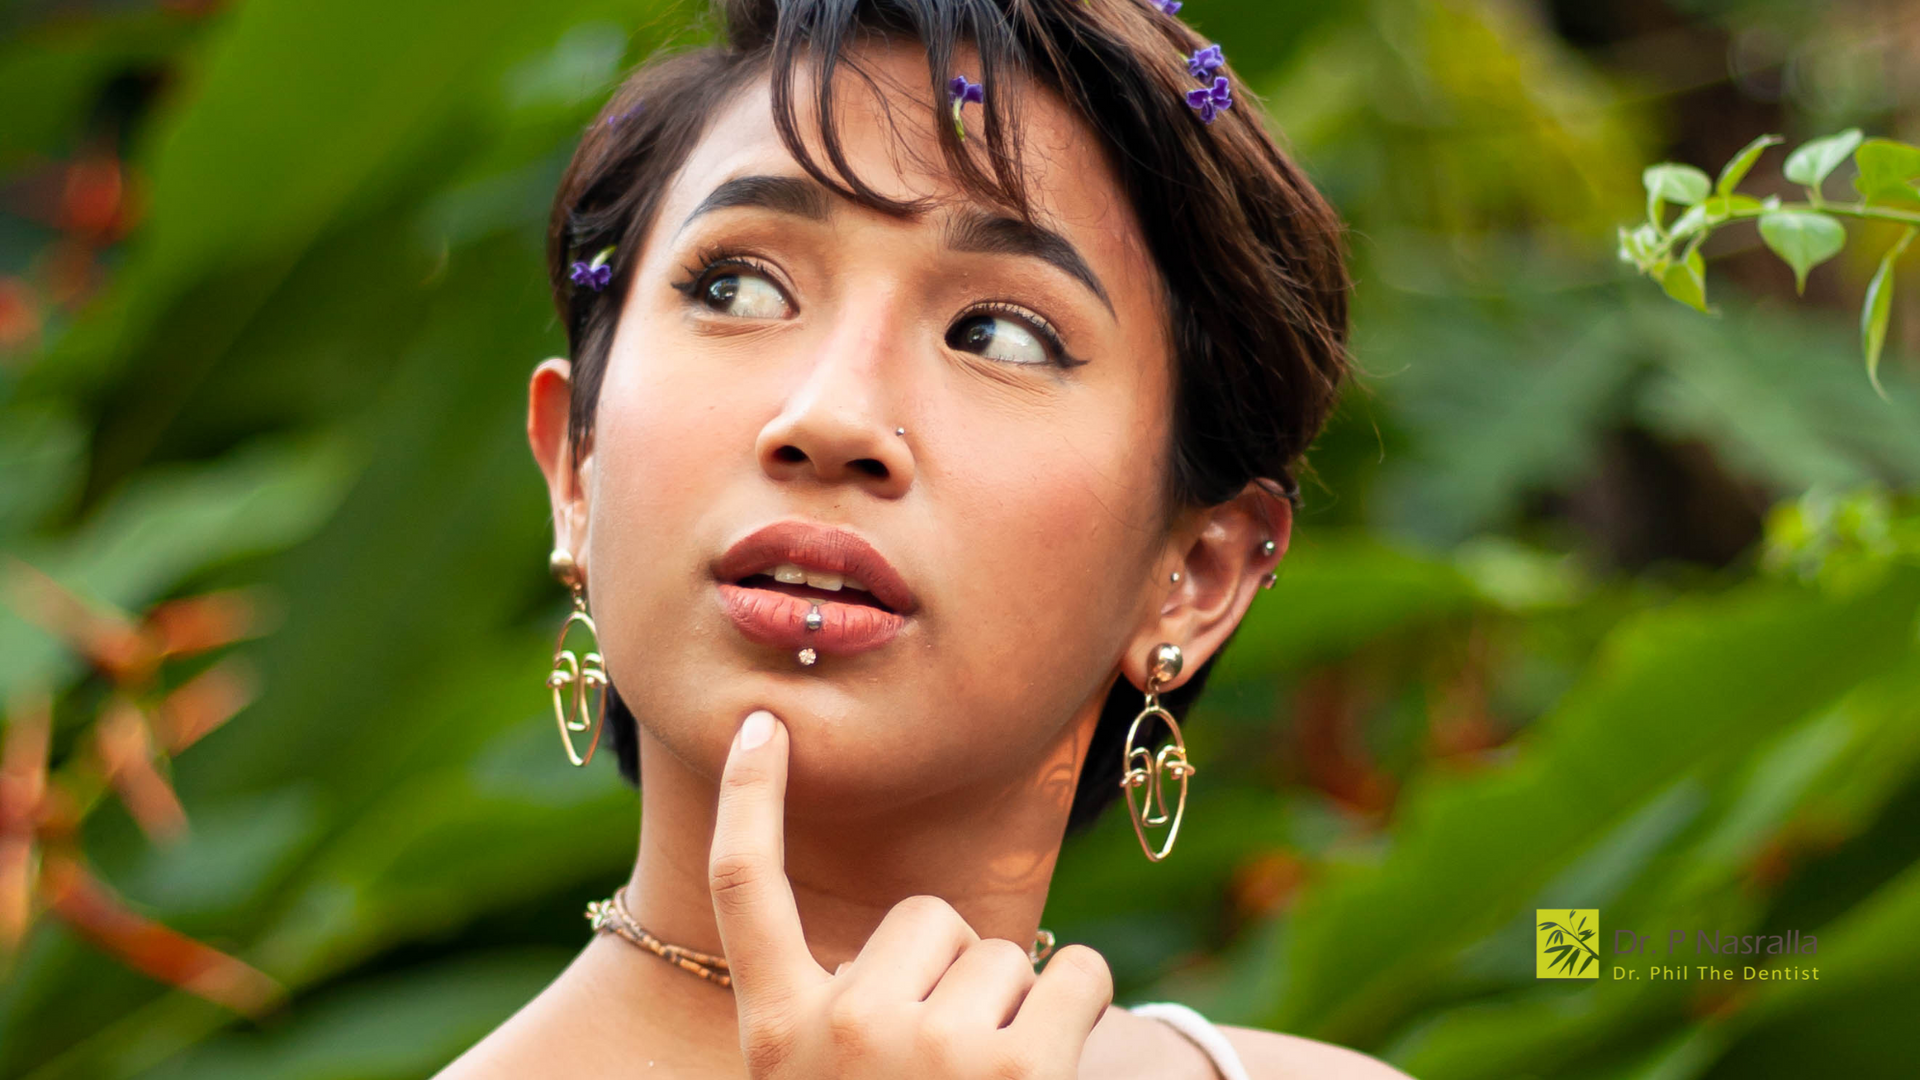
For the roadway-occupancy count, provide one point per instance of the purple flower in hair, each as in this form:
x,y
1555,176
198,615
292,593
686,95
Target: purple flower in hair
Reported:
x,y
960,91
1211,100
1204,62
594,275
1167,7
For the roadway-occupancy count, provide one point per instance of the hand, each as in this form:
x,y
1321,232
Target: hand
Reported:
x,y
926,998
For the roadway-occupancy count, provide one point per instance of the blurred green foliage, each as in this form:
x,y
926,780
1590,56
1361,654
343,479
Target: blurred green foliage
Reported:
x,y
1595,602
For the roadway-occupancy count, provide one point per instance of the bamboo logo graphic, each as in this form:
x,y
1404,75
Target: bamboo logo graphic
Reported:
x,y
1564,944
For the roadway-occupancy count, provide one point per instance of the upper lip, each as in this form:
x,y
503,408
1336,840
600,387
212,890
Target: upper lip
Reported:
x,y
817,547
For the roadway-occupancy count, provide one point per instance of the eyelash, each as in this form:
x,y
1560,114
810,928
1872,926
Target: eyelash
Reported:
x,y
703,264
1041,328
706,260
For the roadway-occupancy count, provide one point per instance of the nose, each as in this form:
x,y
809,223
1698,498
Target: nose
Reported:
x,y
836,426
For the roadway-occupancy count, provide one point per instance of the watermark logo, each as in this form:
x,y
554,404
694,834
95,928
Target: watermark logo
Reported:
x,y
1567,943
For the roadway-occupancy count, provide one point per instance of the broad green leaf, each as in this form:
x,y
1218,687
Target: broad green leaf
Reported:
x,y
1803,239
1814,161
1887,171
1742,163
1686,281
1878,308
1708,676
1681,184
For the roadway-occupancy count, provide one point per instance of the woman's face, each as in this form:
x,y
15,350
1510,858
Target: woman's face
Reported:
x,y
773,339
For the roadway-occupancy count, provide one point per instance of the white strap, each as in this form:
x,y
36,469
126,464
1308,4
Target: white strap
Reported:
x,y
1201,1031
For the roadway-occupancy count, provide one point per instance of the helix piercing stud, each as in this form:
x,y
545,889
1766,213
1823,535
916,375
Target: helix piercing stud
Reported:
x,y
1268,547
1174,577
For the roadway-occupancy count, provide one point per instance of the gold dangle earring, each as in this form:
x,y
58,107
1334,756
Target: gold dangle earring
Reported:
x,y
1145,771
585,675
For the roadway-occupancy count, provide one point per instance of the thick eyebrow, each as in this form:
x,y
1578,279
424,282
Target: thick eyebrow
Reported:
x,y
997,234
797,195
969,230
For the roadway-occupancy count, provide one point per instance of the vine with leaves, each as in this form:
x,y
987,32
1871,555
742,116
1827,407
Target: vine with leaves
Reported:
x,y
1804,234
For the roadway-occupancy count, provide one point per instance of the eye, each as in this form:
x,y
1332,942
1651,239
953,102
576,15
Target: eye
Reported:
x,y
743,292
1007,335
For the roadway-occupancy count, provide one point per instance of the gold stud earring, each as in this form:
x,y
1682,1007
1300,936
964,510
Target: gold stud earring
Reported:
x,y
584,675
1144,770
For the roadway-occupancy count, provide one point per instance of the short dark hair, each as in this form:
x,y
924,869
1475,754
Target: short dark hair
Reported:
x,y
1250,255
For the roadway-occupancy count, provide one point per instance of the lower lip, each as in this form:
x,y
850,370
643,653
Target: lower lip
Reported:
x,y
773,618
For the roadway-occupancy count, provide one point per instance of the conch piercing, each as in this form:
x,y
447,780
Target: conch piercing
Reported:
x,y
585,675
1144,770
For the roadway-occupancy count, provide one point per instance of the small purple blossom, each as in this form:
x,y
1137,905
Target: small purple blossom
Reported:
x,y
1167,7
594,275
1204,62
960,91
618,118
1211,100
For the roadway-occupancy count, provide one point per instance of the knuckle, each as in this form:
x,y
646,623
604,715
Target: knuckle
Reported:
x,y
732,874
850,1026
1012,1061
1005,954
938,1041
765,1044
1086,966
923,908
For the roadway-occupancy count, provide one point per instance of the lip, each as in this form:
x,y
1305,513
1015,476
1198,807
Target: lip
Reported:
x,y
777,619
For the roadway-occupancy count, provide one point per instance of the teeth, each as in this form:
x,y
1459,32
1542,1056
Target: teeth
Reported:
x,y
790,574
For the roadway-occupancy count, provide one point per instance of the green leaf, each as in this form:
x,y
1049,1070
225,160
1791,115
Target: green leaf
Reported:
x,y
1695,219
1686,281
1742,163
1887,170
1682,184
1804,239
1814,161
1879,307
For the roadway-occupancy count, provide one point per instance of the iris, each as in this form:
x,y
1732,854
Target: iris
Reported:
x,y
1211,100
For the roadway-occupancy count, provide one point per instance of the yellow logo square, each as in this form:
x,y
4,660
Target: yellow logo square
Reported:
x,y
1567,943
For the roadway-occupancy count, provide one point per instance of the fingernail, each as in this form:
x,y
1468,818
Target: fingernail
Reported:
x,y
757,729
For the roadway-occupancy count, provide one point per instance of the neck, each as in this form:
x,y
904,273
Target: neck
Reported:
x,y
989,851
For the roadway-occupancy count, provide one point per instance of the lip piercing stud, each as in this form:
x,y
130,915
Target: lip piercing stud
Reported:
x,y
807,657
899,431
813,618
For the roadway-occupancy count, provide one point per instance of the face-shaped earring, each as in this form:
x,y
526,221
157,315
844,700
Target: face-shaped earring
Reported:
x,y
1143,770
576,678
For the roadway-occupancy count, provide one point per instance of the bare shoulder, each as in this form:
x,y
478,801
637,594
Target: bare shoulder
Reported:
x,y
1270,1055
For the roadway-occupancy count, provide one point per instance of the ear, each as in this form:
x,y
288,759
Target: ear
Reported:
x,y
1219,553
549,405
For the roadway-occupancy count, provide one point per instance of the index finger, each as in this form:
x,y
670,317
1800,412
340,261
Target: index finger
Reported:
x,y
753,904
